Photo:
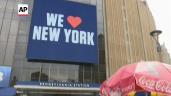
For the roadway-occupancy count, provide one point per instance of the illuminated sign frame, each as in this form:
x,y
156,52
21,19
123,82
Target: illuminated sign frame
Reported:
x,y
63,31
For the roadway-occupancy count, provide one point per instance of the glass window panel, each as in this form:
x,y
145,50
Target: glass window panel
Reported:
x,y
33,70
95,77
102,76
87,67
87,77
102,67
44,76
53,73
81,77
95,68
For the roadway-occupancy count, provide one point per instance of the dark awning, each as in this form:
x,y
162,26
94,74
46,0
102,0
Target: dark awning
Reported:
x,y
7,91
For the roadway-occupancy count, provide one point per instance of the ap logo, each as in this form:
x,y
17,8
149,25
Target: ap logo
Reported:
x,y
22,9
1,76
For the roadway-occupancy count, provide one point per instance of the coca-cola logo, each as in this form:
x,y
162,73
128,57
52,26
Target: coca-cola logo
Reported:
x,y
128,88
150,84
160,85
163,86
168,88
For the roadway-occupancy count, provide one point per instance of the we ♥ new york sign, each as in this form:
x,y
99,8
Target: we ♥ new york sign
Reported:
x,y
64,31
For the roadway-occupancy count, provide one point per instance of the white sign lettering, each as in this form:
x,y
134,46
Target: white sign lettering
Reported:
x,y
54,28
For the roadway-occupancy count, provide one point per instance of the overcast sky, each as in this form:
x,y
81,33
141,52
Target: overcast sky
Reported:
x,y
161,10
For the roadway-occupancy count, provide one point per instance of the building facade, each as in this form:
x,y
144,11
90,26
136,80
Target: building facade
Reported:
x,y
165,56
123,28
127,28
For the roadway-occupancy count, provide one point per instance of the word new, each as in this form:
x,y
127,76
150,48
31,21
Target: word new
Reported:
x,y
71,36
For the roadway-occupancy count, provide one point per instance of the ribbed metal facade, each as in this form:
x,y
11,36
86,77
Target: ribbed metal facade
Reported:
x,y
127,25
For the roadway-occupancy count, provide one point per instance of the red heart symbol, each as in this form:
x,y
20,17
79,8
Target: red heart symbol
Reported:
x,y
74,21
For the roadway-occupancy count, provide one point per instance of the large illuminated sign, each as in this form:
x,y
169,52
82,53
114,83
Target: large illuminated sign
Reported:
x,y
63,31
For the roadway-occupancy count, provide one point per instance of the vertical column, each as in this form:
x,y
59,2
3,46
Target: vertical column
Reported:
x,y
5,27
12,36
115,36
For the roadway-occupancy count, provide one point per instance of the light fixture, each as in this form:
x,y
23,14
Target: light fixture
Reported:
x,y
155,34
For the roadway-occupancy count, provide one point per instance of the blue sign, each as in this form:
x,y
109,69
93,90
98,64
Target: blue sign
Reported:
x,y
5,73
7,92
63,31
